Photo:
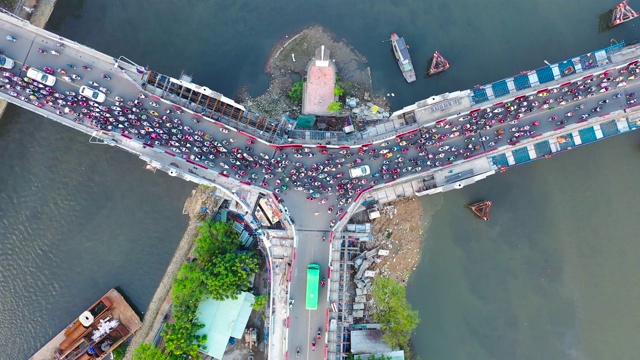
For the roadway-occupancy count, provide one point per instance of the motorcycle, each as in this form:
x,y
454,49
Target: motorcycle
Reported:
x,y
53,52
298,352
11,38
319,334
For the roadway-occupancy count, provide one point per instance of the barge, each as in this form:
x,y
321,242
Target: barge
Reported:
x,y
401,52
95,333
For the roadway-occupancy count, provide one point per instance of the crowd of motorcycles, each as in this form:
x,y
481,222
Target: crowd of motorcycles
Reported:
x,y
327,175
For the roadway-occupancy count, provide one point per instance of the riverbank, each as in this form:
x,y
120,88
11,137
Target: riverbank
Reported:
x,y
161,302
287,64
400,229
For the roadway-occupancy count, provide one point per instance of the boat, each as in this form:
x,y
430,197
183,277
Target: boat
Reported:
x,y
401,51
622,13
481,209
438,64
95,333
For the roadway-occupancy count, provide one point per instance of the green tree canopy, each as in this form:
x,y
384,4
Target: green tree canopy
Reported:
x,y
393,312
260,303
334,107
221,270
226,269
149,352
295,93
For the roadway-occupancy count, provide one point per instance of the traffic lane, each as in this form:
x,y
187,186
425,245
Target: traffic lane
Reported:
x,y
409,154
304,324
19,49
547,126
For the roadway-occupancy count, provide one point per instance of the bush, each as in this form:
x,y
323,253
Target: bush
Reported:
x,y
334,107
118,353
149,352
393,312
295,93
260,303
338,91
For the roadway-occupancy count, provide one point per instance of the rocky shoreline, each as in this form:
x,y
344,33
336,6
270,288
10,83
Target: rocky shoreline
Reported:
x,y
400,229
287,64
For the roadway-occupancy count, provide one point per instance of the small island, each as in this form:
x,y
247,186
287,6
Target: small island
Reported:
x,y
318,83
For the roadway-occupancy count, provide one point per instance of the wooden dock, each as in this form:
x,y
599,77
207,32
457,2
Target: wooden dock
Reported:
x,y
119,310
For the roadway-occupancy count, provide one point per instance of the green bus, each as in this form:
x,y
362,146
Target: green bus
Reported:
x,y
313,279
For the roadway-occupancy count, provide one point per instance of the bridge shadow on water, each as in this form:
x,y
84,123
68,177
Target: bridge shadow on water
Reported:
x,y
603,21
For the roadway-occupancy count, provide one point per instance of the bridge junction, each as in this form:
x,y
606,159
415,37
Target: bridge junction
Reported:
x,y
419,135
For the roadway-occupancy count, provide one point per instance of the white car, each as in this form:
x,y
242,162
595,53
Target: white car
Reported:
x,y
359,171
6,63
41,76
92,94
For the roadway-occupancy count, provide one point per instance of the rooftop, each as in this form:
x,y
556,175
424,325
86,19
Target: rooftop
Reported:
x,y
321,80
223,320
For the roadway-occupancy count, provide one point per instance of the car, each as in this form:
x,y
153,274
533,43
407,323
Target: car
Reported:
x,y
41,76
363,170
6,63
92,94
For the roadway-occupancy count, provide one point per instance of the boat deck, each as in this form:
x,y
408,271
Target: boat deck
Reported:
x,y
121,311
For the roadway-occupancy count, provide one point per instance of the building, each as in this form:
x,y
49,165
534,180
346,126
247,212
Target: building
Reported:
x,y
223,320
318,90
366,340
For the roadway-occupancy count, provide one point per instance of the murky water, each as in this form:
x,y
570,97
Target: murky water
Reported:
x,y
550,276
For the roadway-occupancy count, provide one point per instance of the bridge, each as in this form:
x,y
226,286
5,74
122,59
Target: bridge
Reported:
x,y
441,143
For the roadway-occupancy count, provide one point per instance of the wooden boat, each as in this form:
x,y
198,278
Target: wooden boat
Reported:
x,y
95,333
438,64
401,52
481,209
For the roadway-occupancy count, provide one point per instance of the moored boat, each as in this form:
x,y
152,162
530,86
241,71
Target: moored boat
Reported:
x,y
401,52
95,333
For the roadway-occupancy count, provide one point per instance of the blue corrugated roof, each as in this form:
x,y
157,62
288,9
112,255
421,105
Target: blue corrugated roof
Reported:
x,y
521,82
223,320
545,74
480,95
500,88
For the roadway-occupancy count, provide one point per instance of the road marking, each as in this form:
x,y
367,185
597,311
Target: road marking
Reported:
x,y
308,331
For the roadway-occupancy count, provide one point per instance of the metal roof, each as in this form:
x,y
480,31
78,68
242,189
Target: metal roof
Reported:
x,y
223,320
402,46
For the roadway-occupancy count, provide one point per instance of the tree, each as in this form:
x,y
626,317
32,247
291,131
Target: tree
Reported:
x,y
334,107
295,93
149,352
260,303
118,353
393,312
226,269
220,270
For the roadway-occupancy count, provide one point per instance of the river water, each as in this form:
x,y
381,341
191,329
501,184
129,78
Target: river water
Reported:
x,y
550,276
